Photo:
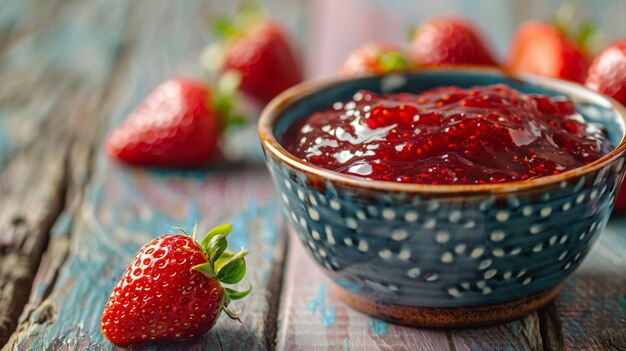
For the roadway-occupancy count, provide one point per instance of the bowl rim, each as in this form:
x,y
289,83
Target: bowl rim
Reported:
x,y
272,112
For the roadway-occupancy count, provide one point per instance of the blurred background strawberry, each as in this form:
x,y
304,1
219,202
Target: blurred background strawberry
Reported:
x,y
450,40
258,49
375,58
261,56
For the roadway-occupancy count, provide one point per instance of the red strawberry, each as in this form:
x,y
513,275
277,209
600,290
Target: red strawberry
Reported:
x,y
374,58
449,40
542,48
259,50
607,75
173,289
178,124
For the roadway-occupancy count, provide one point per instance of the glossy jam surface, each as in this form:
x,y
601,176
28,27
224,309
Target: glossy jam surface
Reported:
x,y
449,135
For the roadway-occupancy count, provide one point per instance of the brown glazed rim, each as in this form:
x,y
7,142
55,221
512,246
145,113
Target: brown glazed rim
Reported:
x,y
452,317
274,110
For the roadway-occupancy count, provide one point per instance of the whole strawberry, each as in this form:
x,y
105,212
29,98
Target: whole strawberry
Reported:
x,y
545,49
374,58
259,51
173,289
449,40
607,75
178,125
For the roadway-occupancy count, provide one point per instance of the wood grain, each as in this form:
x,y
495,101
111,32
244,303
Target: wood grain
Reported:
x,y
591,308
520,335
312,318
32,199
45,94
124,207
45,58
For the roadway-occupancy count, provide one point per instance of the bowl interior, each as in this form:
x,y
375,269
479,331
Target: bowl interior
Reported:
x,y
593,107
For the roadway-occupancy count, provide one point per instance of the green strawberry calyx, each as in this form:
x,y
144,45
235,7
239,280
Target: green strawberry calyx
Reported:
x,y
227,101
225,266
578,29
225,31
392,61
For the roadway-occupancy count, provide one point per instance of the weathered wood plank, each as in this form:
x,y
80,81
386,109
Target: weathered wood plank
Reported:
x,y
33,184
591,309
312,318
32,199
125,211
125,207
516,335
44,54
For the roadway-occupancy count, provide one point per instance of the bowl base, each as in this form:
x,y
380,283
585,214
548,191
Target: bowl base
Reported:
x,y
447,317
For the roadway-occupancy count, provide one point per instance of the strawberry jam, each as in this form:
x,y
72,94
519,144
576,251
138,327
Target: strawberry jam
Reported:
x,y
449,135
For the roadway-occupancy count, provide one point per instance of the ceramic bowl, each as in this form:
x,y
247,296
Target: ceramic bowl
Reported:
x,y
444,255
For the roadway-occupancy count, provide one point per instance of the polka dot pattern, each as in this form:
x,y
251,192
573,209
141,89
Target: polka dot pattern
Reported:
x,y
432,250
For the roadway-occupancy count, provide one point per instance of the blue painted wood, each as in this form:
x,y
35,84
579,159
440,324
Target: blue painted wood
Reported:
x,y
47,49
592,305
312,318
125,207
42,106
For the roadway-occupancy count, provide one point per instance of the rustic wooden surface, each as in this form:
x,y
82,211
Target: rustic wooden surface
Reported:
x,y
71,220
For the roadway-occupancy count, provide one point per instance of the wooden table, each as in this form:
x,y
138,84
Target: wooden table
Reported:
x,y
71,220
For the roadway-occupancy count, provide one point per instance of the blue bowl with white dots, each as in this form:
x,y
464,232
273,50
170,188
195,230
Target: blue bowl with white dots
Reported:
x,y
444,255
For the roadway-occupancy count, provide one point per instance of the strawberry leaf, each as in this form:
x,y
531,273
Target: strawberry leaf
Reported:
x,y
564,16
248,15
222,230
236,121
227,100
580,30
223,28
237,295
232,271
224,257
216,246
206,269
393,61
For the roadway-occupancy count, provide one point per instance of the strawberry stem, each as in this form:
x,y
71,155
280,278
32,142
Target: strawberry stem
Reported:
x,y
232,314
181,230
